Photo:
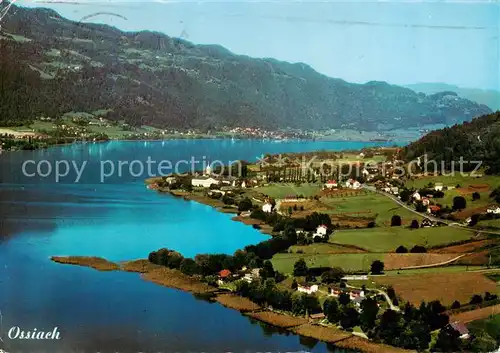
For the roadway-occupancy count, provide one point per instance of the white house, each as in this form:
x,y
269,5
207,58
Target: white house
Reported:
x,y
330,184
352,184
438,187
416,196
308,289
267,207
321,231
493,210
204,182
426,201
243,184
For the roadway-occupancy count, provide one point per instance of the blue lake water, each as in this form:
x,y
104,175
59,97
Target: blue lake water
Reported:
x,y
120,219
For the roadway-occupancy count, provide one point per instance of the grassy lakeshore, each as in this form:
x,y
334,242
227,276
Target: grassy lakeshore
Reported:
x,y
177,280
96,263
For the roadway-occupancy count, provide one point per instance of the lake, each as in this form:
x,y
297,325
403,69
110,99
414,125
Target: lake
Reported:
x,y
120,219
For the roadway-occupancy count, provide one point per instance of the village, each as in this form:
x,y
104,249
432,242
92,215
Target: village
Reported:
x,y
364,234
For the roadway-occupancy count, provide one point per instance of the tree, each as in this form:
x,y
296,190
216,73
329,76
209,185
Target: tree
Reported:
x,y
395,221
331,310
298,307
401,249
418,249
455,305
290,233
295,285
369,311
344,298
377,267
414,224
459,203
267,270
391,293
333,275
189,267
300,268
349,318
476,196
448,340
245,205
476,299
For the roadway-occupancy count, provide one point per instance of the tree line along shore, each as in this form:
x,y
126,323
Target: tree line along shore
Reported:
x,y
173,278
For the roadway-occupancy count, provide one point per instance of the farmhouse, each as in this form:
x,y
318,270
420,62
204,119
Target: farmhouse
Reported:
x,y
433,209
170,180
330,184
416,196
493,210
426,201
334,291
308,289
318,316
252,275
321,231
426,223
356,294
267,207
224,275
204,182
438,187
352,184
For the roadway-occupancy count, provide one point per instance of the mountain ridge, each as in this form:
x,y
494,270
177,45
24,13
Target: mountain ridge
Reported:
x,y
488,97
149,78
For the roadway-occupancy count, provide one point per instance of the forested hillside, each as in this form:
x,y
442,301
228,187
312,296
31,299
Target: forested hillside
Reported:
x,y
50,65
477,140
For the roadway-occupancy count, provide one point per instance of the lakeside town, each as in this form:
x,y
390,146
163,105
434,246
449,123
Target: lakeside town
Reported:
x,y
358,254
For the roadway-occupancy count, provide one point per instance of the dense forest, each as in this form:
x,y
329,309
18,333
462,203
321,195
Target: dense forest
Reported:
x,y
477,140
50,65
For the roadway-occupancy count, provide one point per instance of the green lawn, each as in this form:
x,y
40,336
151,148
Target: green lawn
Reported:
x,y
379,207
349,262
320,248
280,191
464,181
443,269
490,325
389,238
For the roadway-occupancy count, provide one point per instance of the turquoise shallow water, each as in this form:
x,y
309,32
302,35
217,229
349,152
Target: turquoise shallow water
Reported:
x,y
120,219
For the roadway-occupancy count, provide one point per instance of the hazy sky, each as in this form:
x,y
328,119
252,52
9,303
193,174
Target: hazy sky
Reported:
x,y
396,41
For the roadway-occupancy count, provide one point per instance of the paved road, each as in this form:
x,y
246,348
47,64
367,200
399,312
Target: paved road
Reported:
x,y
425,215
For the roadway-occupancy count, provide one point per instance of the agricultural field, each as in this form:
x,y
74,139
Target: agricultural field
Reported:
x,y
445,287
358,261
280,191
478,314
462,180
368,205
389,238
349,262
323,248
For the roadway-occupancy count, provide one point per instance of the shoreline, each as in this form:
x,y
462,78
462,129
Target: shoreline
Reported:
x,y
174,279
218,206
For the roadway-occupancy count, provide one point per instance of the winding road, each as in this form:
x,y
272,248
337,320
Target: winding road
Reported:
x,y
425,215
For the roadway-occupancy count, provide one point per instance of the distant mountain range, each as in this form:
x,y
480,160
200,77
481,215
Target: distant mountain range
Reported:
x,y
477,140
491,98
50,66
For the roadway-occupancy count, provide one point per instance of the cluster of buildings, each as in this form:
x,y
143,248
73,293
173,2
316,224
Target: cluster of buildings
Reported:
x,y
255,132
350,184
